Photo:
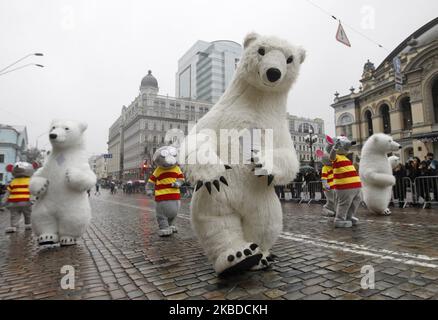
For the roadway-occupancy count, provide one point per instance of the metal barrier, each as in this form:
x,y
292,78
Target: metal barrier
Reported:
x,y
426,191
403,192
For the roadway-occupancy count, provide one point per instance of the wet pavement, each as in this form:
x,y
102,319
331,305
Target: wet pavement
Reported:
x,y
122,257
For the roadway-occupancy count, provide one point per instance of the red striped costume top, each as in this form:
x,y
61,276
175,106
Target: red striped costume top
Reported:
x,y
327,174
163,178
19,190
345,175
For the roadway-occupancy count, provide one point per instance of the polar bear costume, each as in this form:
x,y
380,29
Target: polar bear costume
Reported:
x,y
394,161
238,220
62,211
376,172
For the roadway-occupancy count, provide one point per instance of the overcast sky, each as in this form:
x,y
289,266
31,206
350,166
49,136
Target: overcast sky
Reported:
x,y
96,52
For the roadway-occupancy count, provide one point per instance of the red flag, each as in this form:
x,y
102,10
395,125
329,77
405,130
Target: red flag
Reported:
x,y
341,36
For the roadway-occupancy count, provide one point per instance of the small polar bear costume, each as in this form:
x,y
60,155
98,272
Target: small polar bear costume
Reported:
x,y
166,181
376,172
62,211
394,161
239,220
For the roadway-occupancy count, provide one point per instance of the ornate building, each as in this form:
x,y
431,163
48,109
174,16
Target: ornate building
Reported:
x,y
299,129
404,105
13,144
141,128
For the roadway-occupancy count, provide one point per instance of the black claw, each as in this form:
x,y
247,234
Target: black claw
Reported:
x,y
264,262
217,185
230,258
253,246
238,254
247,252
199,185
227,167
258,166
270,179
252,160
223,180
208,186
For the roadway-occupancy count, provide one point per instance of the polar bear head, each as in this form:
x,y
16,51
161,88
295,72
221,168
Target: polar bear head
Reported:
x,y
394,161
64,134
270,64
380,143
165,157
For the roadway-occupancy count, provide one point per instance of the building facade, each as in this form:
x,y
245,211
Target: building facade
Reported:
x,y
408,112
206,69
300,128
13,144
142,127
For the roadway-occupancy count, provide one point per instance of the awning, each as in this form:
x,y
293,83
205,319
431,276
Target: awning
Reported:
x,y
426,137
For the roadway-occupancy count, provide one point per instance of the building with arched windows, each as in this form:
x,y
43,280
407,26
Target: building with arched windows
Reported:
x,y
409,113
13,144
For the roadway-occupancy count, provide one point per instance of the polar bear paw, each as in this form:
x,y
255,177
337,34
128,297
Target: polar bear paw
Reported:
x,y
264,263
47,238
165,232
67,241
238,261
38,186
259,166
387,212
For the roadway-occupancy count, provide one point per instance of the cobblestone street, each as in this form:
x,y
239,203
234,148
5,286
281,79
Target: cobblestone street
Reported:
x,y
121,257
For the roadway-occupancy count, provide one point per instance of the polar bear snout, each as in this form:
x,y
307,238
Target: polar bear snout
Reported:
x,y
273,74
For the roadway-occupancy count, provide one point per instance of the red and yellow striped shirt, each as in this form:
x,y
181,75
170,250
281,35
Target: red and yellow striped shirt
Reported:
x,y
327,174
19,190
344,174
163,179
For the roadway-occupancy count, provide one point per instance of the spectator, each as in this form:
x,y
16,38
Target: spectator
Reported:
x,y
399,188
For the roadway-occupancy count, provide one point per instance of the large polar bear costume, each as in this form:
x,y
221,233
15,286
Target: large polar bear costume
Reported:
x,y
62,211
238,221
376,172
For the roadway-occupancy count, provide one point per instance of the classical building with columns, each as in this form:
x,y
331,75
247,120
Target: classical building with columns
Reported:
x,y
408,112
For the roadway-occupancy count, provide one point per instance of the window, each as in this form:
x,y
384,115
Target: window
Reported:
x,y
435,98
1,176
2,159
345,123
369,120
305,128
386,119
405,106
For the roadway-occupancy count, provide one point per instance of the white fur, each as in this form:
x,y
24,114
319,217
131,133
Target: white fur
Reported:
x,y
394,161
247,211
63,208
376,172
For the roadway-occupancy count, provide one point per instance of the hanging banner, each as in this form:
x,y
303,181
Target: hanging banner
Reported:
x,y
341,36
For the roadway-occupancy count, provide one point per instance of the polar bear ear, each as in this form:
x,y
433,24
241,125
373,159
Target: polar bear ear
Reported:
x,y
83,126
302,54
250,37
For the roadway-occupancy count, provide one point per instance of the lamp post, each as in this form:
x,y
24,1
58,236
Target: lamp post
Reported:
x,y
311,139
5,69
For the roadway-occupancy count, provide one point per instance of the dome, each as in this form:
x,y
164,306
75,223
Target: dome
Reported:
x,y
149,81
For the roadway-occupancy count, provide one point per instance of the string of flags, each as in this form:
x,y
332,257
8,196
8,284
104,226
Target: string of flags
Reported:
x,y
341,35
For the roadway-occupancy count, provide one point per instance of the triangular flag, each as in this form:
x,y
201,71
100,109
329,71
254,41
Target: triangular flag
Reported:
x,y
341,36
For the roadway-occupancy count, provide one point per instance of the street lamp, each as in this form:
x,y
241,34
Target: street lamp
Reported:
x,y
311,139
26,65
3,71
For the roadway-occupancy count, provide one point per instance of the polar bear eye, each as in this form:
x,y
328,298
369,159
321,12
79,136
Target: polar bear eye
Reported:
x,y
53,128
290,60
261,51
67,129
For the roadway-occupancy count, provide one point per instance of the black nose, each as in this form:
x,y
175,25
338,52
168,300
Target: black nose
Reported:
x,y
53,136
400,147
273,74
353,143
